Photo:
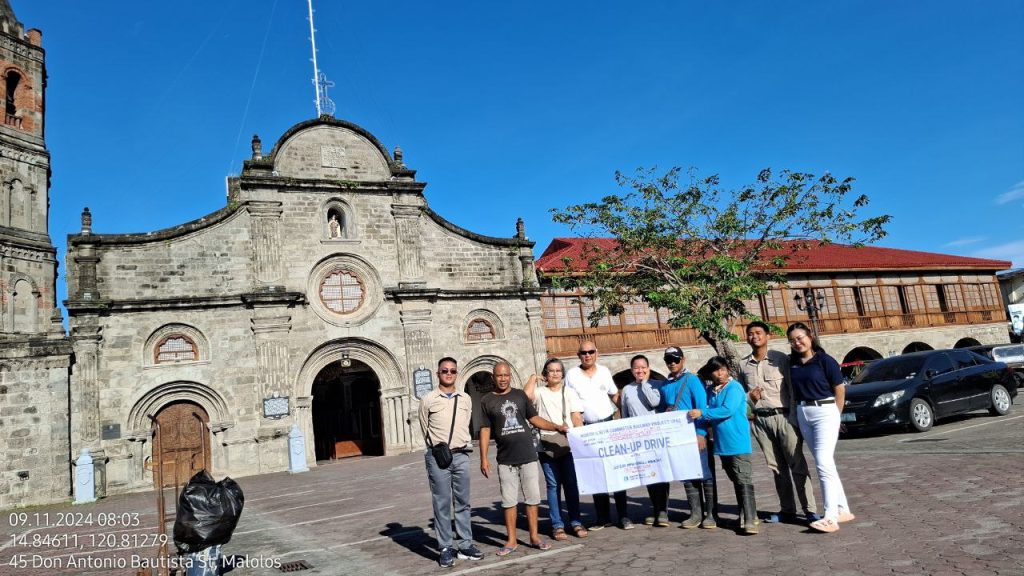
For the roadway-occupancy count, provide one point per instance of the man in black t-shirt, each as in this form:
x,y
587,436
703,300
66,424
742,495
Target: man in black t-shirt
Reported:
x,y
507,411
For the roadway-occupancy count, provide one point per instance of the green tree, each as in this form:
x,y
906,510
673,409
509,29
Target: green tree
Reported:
x,y
700,251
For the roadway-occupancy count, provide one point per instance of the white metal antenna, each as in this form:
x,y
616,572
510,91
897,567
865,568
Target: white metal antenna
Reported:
x,y
324,105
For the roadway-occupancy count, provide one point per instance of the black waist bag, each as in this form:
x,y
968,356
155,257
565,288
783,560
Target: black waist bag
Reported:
x,y
442,455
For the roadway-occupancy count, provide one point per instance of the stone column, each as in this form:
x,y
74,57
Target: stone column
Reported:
x,y
265,231
407,228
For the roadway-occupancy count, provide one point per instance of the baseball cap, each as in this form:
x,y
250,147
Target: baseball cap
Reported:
x,y
673,351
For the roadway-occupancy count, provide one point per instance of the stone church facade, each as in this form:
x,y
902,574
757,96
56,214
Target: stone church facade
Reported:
x,y
312,298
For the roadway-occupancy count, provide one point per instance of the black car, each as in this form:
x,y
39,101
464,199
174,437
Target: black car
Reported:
x,y
916,389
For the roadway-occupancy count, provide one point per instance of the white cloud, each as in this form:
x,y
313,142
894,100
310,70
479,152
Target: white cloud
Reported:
x,y
1013,251
964,241
1015,193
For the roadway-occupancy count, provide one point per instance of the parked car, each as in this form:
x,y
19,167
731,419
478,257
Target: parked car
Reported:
x,y
918,388
1010,354
853,368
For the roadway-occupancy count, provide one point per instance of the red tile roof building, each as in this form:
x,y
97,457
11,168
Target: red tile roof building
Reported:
x,y
885,300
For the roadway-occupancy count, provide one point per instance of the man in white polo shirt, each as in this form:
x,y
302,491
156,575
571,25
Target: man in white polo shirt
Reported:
x,y
594,385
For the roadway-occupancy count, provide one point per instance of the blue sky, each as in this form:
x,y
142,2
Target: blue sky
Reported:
x,y
509,110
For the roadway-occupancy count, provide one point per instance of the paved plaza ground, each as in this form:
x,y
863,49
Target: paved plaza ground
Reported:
x,y
950,501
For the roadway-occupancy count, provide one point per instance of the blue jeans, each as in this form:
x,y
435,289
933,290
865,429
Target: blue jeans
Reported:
x,y
560,474
446,486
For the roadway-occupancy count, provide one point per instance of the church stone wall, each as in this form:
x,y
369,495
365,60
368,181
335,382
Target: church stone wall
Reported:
x,y
212,263
34,452
455,261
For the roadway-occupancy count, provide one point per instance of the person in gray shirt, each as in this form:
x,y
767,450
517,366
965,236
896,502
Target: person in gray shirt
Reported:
x,y
640,398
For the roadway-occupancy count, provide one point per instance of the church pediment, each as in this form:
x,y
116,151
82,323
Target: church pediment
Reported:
x,y
331,149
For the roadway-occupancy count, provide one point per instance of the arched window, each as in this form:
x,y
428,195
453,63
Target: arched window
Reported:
x,y
23,307
479,330
341,292
10,105
175,348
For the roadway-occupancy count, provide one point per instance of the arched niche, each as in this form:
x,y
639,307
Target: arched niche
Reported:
x,y
338,221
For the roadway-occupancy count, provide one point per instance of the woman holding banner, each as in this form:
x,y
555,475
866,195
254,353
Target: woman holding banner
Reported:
x,y
561,405
640,398
727,414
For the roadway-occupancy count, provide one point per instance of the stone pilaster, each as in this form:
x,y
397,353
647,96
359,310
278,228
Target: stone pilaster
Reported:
x,y
265,231
270,328
535,319
407,225
419,353
85,386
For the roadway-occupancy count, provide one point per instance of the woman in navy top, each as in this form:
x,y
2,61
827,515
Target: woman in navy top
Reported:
x,y
820,393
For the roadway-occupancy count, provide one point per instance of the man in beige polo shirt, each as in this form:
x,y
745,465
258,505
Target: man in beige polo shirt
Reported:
x,y
765,374
444,417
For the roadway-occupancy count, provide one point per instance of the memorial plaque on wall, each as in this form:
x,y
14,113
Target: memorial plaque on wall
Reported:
x,y
422,383
111,431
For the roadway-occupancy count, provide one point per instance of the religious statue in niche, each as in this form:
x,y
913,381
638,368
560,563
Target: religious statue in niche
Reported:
x,y
333,226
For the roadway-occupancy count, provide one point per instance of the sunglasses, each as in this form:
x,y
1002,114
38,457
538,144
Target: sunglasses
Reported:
x,y
586,352
673,359
448,371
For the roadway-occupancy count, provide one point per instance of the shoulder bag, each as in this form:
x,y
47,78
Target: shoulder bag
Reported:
x,y
555,446
441,451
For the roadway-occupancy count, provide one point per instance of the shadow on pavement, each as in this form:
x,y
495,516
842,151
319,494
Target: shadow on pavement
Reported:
x,y
412,538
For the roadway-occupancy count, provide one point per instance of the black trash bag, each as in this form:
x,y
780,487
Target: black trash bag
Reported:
x,y
208,512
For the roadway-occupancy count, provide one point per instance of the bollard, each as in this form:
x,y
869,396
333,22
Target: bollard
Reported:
x,y
85,479
296,451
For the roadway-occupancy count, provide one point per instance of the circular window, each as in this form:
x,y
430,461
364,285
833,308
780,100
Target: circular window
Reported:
x,y
344,290
341,291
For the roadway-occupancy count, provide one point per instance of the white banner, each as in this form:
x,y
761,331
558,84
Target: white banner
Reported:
x,y
621,454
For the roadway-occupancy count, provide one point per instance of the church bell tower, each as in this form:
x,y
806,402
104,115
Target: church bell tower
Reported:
x,y
28,264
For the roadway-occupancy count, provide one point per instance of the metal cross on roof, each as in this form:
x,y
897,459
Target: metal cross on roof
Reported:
x,y
325,105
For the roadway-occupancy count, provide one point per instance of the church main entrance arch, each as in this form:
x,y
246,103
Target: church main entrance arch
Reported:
x,y
183,441
350,393
346,411
477,386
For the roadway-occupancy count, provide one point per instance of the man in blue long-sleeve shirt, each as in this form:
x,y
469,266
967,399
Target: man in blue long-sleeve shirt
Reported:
x,y
683,390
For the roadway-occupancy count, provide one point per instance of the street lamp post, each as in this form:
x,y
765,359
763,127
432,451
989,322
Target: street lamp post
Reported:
x,y
812,301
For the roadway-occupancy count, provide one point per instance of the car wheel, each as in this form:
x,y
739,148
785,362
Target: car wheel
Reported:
x,y
1001,402
1018,380
921,415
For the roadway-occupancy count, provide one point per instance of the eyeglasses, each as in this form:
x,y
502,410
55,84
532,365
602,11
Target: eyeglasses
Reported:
x,y
586,352
672,359
448,371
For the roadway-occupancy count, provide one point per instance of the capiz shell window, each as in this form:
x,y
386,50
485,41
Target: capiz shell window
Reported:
x,y
341,292
479,330
176,348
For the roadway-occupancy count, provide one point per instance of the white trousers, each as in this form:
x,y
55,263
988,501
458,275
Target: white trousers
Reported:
x,y
820,427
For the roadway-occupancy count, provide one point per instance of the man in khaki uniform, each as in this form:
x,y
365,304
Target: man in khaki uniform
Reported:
x,y
444,417
765,374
